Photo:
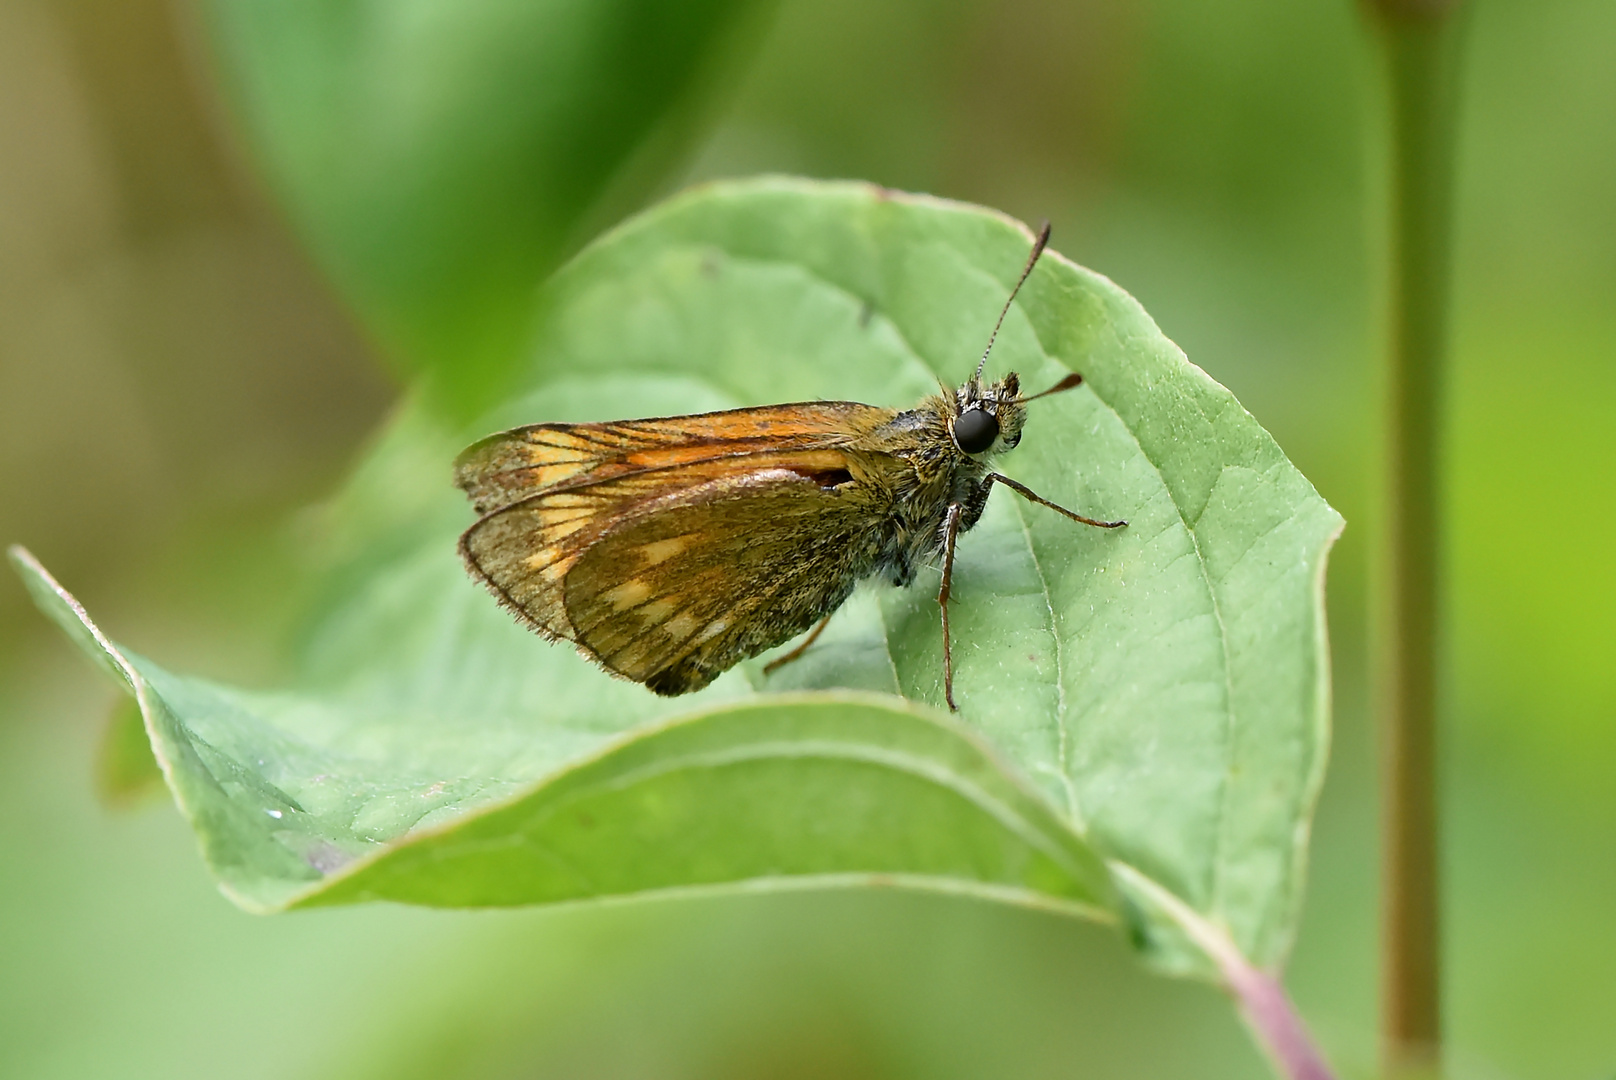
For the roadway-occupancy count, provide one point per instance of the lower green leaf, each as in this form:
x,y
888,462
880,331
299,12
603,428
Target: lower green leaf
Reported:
x,y
813,790
809,790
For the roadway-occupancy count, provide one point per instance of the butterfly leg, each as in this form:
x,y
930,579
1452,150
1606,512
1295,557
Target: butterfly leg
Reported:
x,y
950,534
1031,495
813,635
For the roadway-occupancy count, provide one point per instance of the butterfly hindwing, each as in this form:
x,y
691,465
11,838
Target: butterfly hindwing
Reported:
x,y
682,592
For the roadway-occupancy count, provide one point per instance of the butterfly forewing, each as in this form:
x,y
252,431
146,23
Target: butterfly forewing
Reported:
x,y
512,465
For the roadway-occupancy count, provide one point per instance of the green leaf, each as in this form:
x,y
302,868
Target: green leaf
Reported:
x,y
812,790
1158,693
440,156
818,790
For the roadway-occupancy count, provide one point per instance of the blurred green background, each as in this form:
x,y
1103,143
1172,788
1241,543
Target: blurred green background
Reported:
x,y
176,381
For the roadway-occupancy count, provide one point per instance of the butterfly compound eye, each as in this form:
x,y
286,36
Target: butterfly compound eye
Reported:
x,y
975,430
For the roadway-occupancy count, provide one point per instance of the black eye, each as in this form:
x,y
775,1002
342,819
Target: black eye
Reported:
x,y
975,430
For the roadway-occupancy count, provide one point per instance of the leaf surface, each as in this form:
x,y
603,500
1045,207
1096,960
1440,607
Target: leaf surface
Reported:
x,y
1157,695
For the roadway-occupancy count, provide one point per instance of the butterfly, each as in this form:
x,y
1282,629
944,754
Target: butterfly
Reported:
x,y
670,549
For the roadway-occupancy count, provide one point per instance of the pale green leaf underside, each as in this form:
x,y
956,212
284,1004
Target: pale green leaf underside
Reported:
x,y
1163,689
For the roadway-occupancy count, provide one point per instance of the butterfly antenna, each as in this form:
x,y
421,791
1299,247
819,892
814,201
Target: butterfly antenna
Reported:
x,y
1032,260
1074,379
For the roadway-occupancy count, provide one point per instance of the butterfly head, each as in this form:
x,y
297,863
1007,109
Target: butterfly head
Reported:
x,y
987,416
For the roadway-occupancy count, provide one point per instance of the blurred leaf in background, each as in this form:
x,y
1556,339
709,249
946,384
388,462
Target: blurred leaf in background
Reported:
x,y
1216,160
442,158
